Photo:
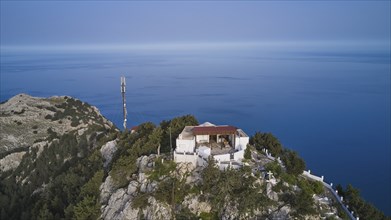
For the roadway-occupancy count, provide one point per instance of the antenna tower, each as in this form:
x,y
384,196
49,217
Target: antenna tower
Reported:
x,y
123,89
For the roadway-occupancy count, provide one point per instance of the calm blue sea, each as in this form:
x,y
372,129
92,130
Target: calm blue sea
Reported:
x,y
330,105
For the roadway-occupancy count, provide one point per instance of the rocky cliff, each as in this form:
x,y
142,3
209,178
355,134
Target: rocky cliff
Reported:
x,y
28,121
60,158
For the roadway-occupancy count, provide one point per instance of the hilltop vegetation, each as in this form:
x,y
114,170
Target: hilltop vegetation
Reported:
x,y
91,170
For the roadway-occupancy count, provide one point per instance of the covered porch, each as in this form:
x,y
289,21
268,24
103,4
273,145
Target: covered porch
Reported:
x,y
220,139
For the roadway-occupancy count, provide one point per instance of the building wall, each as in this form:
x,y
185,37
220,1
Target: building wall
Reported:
x,y
202,138
222,157
238,156
185,158
185,146
204,152
225,166
241,143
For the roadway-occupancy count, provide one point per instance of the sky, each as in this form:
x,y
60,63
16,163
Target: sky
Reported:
x,y
102,23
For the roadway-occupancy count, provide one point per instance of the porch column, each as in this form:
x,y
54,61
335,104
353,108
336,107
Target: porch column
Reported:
x,y
234,141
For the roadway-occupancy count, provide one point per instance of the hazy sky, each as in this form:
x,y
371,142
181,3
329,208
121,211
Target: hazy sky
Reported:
x,y
46,23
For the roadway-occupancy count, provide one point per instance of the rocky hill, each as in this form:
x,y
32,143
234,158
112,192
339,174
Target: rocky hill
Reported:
x,y
28,121
61,159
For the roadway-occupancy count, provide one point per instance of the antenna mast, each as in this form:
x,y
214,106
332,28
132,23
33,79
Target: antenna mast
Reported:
x,y
123,89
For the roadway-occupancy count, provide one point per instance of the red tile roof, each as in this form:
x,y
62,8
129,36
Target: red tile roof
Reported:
x,y
134,128
213,130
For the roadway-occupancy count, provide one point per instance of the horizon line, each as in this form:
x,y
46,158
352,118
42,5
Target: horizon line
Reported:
x,y
196,45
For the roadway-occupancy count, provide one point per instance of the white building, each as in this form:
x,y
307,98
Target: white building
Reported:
x,y
226,144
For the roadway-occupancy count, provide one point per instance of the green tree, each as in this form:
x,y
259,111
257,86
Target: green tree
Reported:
x,y
210,176
88,208
274,167
247,153
91,188
362,208
154,140
293,163
176,126
268,141
122,169
44,213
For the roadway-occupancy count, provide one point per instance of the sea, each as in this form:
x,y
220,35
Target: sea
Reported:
x,y
330,104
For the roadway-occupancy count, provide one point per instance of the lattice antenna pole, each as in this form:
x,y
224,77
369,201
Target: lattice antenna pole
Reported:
x,y
123,90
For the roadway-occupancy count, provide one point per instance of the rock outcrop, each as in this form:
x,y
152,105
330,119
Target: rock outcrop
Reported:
x,y
25,119
27,122
193,203
118,203
107,151
11,161
56,147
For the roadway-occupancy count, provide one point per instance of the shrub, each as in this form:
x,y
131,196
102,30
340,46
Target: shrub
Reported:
x,y
176,126
317,187
209,216
268,141
247,153
122,169
274,167
140,201
19,113
162,169
293,163
88,208
51,108
74,123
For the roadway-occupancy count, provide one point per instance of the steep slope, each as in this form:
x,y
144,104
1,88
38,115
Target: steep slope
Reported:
x,y
61,159
27,121
24,119
50,150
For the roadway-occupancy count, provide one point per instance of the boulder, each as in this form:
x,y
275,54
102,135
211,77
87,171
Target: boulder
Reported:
x,y
106,189
107,151
142,163
11,161
157,210
195,206
132,188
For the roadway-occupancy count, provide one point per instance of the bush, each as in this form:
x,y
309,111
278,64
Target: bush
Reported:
x,y
19,113
289,178
247,153
293,163
185,213
75,123
268,141
317,187
91,188
51,108
88,208
274,167
140,201
162,169
209,216
176,125
122,170
357,204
